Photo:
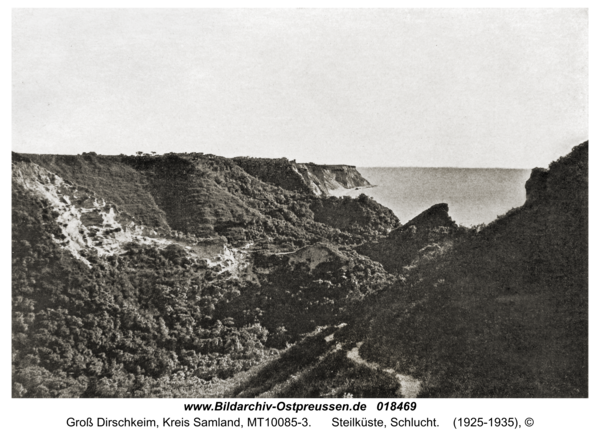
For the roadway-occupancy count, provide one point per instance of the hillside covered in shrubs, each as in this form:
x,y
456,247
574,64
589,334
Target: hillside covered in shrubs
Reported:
x,y
191,275
498,311
130,273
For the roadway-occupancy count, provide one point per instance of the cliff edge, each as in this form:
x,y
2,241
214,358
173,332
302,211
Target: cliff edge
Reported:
x,y
302,177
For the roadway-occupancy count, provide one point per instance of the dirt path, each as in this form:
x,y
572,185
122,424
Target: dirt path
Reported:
x,y
409,386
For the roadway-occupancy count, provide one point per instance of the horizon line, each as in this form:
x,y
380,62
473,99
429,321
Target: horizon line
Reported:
x,y
443,167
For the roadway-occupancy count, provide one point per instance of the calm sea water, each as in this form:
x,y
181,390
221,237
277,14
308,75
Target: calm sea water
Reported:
x,y
474,196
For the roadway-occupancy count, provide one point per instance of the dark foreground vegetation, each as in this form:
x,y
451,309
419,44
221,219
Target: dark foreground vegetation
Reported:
x,y
495,311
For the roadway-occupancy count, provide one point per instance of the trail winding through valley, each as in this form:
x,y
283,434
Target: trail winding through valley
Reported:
x,y
409,386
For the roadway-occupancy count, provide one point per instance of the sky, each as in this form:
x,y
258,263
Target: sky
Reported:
x,y
369,87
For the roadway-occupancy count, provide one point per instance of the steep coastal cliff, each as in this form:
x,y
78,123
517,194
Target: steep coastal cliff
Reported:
x,y
304,178
332,177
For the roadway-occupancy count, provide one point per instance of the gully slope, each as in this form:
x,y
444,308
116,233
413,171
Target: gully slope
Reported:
x,y
500,311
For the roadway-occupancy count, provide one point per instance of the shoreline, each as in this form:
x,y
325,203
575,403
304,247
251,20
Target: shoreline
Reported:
x,y
347,192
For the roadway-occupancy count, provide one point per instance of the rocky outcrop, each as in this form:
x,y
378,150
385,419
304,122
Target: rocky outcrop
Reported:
x,y
435,216
303,178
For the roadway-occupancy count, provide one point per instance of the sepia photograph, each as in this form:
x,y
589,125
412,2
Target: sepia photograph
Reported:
x,y
299,203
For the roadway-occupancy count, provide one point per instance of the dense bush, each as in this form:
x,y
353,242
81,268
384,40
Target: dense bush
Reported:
x,y
494,311
134,322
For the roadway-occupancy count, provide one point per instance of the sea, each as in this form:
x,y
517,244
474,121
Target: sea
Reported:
x,y
474,196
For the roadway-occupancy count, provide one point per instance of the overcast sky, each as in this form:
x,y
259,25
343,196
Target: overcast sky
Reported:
x,y
443,88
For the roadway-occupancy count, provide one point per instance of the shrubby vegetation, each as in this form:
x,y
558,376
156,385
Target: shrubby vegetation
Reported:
x,y
155,322
493,311
361,215
144,314
502,311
